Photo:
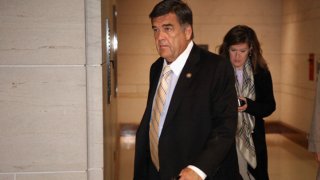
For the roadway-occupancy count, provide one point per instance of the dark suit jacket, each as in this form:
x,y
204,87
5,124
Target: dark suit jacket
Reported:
x,y
200,125
262,107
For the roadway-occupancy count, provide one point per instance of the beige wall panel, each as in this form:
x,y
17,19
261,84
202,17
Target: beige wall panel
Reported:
x,y
134,69
130,110
301,24
301,37
141,19
43,119
52,34
231,20
296,105
210,34
136,39
269,37
297,98
135,8
274,64
133,90
295,71
293,7
54,176
231,12
6,177
300,92
245,7
297,110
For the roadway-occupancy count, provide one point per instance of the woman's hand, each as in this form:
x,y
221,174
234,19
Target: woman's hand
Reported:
x,y
244,107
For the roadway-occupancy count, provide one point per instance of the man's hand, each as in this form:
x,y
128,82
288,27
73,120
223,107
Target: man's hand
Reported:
x,y
189,174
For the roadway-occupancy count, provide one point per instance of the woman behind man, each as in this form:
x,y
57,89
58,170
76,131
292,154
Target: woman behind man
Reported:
x,y
256,101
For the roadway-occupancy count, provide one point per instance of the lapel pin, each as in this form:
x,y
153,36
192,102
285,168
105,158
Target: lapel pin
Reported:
x,y
188,75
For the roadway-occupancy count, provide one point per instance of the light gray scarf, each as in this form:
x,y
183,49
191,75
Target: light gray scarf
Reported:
x,y
246,122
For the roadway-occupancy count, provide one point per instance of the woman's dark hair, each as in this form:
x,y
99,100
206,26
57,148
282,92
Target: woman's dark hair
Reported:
x,y
244,34
181,9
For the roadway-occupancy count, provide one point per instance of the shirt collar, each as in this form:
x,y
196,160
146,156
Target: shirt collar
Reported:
x,y
177,65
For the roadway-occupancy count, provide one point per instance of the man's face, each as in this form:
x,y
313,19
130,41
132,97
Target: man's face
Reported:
x,y
170,37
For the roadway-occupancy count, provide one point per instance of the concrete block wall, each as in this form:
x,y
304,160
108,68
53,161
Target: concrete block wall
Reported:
x,y
51,90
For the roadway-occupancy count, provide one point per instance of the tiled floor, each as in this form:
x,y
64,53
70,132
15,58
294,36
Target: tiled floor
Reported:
x,y
287,160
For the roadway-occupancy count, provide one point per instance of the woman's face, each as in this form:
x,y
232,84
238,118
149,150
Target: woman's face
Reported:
x,y
238,54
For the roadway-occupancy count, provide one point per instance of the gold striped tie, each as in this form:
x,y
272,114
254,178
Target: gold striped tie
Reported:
x,y
156,111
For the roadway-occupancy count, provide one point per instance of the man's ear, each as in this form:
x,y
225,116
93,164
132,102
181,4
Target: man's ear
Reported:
x,y
188,32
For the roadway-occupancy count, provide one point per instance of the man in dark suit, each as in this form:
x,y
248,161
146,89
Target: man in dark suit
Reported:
x,y
190,132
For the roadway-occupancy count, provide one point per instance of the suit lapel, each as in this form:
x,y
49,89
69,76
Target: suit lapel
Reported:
x,y
184,82
154,79
155,72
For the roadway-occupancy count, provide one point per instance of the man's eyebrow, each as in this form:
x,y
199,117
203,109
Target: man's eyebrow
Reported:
x,y
166,25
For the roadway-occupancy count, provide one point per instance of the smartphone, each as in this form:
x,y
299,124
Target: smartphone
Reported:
x,y
241,102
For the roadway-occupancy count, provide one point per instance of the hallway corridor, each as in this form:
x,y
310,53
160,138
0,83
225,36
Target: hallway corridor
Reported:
x,y
287,160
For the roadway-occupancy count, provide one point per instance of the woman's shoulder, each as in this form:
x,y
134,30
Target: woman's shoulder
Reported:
x,y
263,76
262,71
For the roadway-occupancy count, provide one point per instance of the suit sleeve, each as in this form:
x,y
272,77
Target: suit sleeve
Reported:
x,y
264,104
142,157
224,119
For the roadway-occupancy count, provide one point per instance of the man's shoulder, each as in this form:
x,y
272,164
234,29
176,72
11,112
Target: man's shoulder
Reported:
x,y
209,57
157,63
206,54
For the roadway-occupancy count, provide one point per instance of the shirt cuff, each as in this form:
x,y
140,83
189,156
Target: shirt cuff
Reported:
x,y
198,171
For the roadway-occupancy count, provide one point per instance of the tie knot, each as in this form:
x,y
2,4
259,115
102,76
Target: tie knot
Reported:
x,y
166,70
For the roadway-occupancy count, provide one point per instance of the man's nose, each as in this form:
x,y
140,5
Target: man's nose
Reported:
x,y
160,35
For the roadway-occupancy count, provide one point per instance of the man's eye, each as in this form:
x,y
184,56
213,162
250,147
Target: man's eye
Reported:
x,y
155,30
168,29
